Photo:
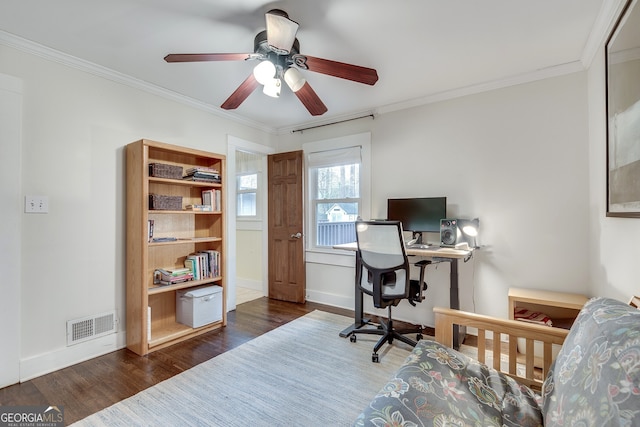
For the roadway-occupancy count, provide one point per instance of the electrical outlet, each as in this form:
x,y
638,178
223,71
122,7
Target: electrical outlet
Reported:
x,y
36,204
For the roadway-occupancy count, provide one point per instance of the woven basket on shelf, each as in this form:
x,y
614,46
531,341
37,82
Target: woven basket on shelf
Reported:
x,y
161,170
161,202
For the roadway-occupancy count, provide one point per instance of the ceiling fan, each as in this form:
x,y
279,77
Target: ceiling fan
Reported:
x,y
278,51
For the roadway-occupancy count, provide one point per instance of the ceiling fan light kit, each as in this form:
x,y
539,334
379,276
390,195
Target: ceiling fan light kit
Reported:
x,y
294,79
272,88
281,31
278,51
264,71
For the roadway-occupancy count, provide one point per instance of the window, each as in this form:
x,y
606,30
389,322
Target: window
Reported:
x,y
338,193
247,195
248,178
335,195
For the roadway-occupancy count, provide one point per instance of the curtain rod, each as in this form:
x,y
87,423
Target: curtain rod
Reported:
x,y
333,123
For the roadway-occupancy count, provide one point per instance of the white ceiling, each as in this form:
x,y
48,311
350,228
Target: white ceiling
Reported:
x,y
422,49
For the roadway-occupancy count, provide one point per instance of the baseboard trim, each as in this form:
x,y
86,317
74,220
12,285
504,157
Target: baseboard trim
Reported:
x,y
35,366
255,285
334,300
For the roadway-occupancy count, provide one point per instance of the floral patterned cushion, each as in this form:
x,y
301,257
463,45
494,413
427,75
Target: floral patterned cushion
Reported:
x,y
438,386
595,380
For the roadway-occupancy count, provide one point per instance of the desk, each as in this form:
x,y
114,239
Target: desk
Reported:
x,y
450,255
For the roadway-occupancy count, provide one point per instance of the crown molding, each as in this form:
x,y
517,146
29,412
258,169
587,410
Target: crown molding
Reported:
x,y
545,73
53,55
606,19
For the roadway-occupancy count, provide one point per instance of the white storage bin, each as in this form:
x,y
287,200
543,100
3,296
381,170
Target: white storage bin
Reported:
x,y
199,307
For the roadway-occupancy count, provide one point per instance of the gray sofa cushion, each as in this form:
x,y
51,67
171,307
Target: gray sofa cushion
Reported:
x,y
595,380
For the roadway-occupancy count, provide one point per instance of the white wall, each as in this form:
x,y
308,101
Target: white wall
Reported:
x,y
614,250
249,258
75,128
10,226
517,158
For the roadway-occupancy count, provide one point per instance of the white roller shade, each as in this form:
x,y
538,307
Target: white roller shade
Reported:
x,y
342,156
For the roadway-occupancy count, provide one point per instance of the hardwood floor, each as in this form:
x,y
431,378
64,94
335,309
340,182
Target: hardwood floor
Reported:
x,y
93,385
88,387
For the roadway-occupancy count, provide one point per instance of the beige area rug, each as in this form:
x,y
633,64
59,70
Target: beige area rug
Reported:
x,y
300,374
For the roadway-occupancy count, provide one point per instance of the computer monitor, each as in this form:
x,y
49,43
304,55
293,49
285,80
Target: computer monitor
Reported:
x,y
418,214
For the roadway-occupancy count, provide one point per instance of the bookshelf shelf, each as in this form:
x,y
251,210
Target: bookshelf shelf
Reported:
x,y
163,337
184,212
151,309
185,182
186,241
157,289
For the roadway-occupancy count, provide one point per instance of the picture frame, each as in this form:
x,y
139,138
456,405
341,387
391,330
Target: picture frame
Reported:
x,y
622,73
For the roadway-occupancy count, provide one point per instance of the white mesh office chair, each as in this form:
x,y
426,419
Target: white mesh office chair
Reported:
x,y
382,271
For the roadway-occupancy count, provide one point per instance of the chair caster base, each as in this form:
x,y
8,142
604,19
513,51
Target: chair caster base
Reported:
x,y
374,358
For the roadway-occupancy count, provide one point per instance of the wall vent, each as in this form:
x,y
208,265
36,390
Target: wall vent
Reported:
x,y
88,328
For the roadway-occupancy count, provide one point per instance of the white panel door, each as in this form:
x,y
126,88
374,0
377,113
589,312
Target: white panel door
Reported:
x,y
10,228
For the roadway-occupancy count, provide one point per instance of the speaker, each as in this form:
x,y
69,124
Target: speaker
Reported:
x,y
450,234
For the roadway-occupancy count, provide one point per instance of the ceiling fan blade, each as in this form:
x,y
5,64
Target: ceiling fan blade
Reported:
x,y
200,57
342,70
311,100
241,93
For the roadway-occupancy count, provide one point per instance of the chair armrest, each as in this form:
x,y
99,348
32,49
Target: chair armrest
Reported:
x,y
512,329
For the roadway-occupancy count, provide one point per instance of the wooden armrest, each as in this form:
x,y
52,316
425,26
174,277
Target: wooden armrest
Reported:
x,y
513,329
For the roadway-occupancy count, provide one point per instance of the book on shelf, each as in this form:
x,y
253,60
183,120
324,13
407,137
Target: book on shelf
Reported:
x,y
202,174
203,169
164,239
199,208
174,271
217,200
150,224
212,198
171,276
207,197
193,263
204,264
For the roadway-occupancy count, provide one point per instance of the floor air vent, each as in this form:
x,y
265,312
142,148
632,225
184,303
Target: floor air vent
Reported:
x,y
88,328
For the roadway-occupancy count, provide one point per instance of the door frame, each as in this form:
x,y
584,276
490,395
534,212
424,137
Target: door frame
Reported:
x,y
234,143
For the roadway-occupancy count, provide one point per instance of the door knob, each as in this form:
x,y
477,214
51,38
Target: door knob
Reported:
x,y
297,235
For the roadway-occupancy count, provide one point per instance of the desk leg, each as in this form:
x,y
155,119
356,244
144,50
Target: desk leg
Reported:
x,y
358,320
454,302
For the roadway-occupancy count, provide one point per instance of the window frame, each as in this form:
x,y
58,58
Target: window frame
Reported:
x,y
259,191
256,191
363,140
315,202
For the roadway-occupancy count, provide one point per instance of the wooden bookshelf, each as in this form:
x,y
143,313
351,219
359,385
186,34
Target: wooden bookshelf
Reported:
x,y
193,231
561,307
